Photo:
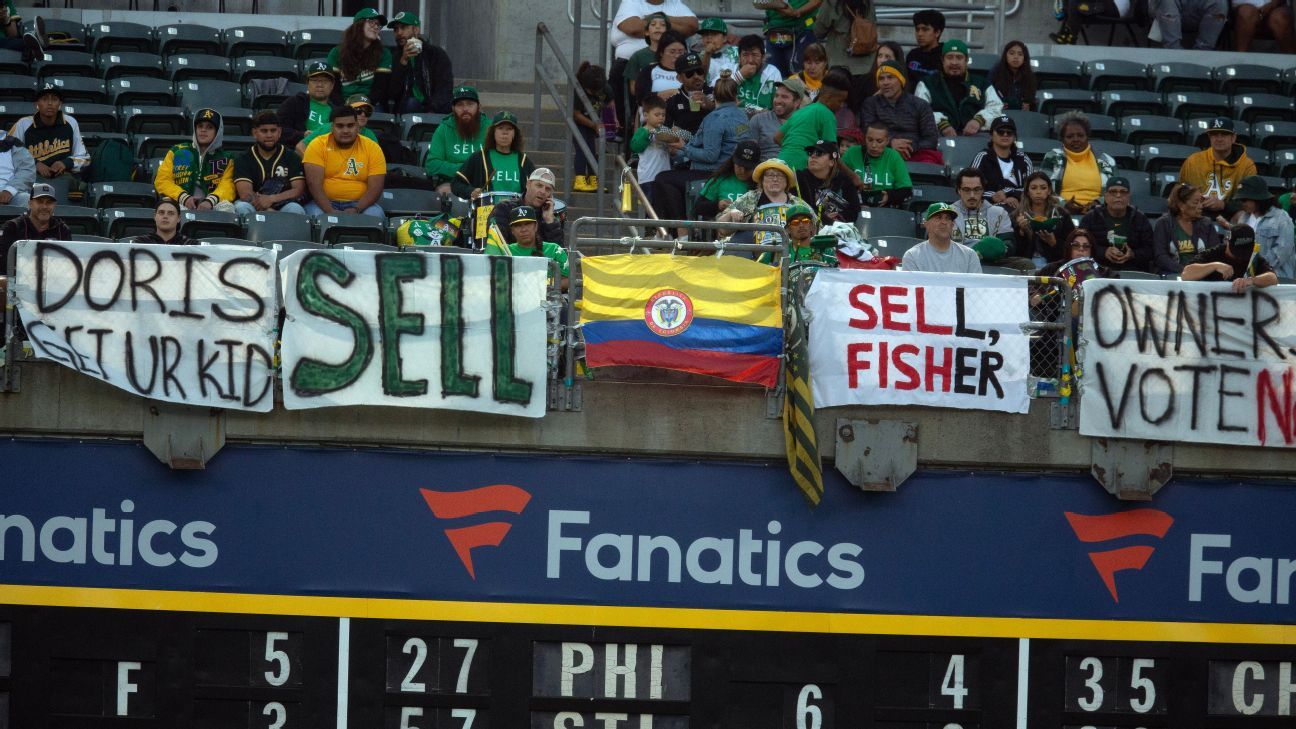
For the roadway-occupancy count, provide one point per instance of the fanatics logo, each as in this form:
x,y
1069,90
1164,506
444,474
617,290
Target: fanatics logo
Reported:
x,y
462,504
1106,528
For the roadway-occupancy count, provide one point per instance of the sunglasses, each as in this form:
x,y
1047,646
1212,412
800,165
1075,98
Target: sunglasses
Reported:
x,y
691,74
1006,132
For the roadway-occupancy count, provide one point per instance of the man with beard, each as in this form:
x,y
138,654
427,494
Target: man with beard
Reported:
x,y
422,76
344,171
538,196
269,176
308,111
38,223
908,118
962,103
693,101
453,144
827,188
789,95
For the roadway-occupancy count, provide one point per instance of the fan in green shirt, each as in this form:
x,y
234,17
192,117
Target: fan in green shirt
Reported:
x,y
812,122
363,66
458,137
880,168
525,226
795,19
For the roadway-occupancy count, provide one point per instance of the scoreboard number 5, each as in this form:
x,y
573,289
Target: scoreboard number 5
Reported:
x,y
278,676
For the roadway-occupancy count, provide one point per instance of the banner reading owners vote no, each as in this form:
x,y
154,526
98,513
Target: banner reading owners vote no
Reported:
x,y
937,339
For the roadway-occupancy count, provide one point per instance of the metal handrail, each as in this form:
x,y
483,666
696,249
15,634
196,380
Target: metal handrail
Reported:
x,y
544,37
629,177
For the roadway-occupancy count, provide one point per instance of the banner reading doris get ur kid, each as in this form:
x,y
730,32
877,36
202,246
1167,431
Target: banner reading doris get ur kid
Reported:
x,y
936,339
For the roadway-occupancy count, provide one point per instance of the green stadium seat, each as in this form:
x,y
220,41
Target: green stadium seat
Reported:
x,y
118,223
1054,72
1056,101
188,38
59,63
210,240
1125,155
981,61
288,247
1101,126
881,222
269,101
56,26
250,67
251,40
12,111
130,63
924,195
116,35
264,227
144,90
382,123
1150,205
959,151
312,42
15,87
88,90
1262,158
400,201
1185,104
1245,78
1107,75
343,228
79,219
236,120
236,143
1179,76
1124,103
1141,129
200,223
1140,182
93,117
1273,135
1164,181
1282,162
1033,147
141,119
1252,108
419,127
1156,157
121,194
893,245
920,172
155,146
1031,123
185,66
12,62
202,93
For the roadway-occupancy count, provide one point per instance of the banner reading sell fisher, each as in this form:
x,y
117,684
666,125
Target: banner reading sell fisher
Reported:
x,y
935,339
1189,361
184,324
461,332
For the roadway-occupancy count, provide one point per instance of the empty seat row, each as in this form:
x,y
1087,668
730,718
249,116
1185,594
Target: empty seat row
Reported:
x,y
1182,104
1109,75
194,38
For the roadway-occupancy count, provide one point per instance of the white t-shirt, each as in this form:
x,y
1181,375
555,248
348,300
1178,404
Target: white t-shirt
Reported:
x,y
663,79
727,59
957,259
627,45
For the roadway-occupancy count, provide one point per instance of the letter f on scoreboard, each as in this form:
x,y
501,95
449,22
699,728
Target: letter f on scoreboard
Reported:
x,y
1144,522
461,504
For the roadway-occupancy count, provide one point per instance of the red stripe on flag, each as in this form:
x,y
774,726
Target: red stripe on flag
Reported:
x,y
758,369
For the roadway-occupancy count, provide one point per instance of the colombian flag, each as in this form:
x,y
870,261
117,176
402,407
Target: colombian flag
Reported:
x,y
717,316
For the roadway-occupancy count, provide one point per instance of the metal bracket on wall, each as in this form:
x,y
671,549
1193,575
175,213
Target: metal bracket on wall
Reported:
x,y
183,437
1063,416
1132,470
876,455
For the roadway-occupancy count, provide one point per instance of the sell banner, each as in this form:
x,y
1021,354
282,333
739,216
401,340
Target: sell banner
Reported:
x,y
937,339
461,332
184,324
1189,361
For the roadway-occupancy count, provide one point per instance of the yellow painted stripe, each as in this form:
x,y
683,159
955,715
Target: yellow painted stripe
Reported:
x,y
644,617
728,288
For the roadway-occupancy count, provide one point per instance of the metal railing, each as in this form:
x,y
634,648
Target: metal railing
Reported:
x,y
566,105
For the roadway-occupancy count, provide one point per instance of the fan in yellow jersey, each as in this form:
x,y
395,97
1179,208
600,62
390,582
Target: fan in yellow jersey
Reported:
x,y
524,224
344,171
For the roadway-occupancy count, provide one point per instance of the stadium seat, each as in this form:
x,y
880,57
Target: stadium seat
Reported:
x,y
1197,129
185,66
1272,135
118,223
14,87
1276,185
419,127
1031,123
407,170
210,240
235,143
420,151
409,202
1036,148
94,139
1056,101
12,111
199,223
87,90
89,238
313,42
1001,271
1136,276
1243,78
1109,75
924,195
205,92
151,169
71,28
264,227
236,120
1124,103
1150,205
80,219
382,123
59,63
1262,158
894,245
1183,104
140,119
1054,72
959,151
119,36
981,61
1126,155
251,40
121,194
1282,162
919,172
1140,182
130,63
367,246
1289,81
250,67
188,38
93,117
875,222
145,90
1156,157
1179,76
342,228
12,62
288,247
1141,129
1101,126
155,146
269,101
1252,108
1164,181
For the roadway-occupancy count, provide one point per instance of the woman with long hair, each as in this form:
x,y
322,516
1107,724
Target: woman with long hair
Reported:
x,y
887,51
500,166
1183,231
361,60
1013,77
1272,225
1042,221
661,78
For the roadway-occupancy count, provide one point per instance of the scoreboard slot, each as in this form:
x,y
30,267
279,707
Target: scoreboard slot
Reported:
x,y
1251,688
1116,684
233,714
429,665
782,705
248,659
921,680
92,688
421,717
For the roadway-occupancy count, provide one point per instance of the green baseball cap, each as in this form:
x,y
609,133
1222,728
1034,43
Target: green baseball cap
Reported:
x,y
463,92
505,117
369,14
954,45
938,208
358,100
713,25
799,209
319,68
404,17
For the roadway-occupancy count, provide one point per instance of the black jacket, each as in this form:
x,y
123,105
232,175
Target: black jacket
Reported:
x,y
293,113
811,187
431,72
21,228
992,179
476,172
1140,239
180,239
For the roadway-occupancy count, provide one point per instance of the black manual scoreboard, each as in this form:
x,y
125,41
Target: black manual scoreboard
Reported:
x,y
78,667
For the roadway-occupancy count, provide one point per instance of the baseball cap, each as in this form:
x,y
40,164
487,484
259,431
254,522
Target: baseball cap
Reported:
x,y
50,88
522,214
937,208
747,153
463,92
369,14
713,25
505,117
1252,187
690,62
1117,181
954,45
42,189
404,17
319,68
1242,236
798,210
795,85
545,175
1003,122
822,147
356,101
206,115
1221,124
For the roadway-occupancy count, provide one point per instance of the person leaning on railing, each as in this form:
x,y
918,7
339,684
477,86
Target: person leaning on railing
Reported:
x,y
1237,260
1183,231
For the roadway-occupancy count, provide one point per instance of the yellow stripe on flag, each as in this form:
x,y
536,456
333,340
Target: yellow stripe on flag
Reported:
x,y
728,288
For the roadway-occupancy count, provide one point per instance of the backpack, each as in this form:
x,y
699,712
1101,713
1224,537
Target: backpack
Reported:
x,y
113,161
